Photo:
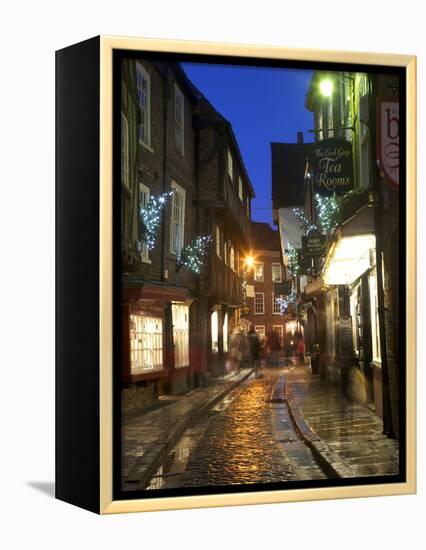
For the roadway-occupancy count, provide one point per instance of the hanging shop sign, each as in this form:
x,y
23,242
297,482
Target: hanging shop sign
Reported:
x,y
314,245
283,289
388,139
332,166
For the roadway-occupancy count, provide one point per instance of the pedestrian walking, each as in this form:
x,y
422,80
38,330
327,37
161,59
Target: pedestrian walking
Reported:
x,y
254,343
288,349
273,346
301,350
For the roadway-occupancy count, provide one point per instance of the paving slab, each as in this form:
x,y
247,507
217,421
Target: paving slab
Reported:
x,y
347,435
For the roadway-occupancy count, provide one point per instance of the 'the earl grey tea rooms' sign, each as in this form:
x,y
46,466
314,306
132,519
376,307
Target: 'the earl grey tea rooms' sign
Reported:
x,y
332,166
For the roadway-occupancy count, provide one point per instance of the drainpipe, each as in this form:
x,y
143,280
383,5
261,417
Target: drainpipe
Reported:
x,y
387,409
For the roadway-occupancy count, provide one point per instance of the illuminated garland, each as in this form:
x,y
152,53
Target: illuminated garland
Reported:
x,y
192,255
305,222
328,212
293,260
150,217
285,301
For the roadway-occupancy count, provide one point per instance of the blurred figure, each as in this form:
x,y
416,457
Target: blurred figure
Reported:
x,y
254,343
238,348
273,346
301,350
288,350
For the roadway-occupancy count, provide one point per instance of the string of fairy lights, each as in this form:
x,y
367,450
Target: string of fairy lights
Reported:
x,y
191,256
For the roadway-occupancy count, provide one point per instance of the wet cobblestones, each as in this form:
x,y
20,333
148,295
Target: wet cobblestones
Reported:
x,y
352,431
244,439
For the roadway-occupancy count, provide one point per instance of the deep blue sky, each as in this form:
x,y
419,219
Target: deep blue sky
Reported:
x,y
263,105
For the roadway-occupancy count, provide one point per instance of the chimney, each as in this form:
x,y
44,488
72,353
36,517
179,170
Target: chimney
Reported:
x,y
299,137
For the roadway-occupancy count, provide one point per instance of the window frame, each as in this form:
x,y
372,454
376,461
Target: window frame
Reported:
x,y
179,124
262,279
230,166
178,190
274,303
263,303
141,70
272,272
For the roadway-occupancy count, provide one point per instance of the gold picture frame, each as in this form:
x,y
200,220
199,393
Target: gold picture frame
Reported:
x,y
107,505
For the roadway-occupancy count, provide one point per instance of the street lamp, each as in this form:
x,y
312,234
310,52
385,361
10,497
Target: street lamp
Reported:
x,y
249,262
326,87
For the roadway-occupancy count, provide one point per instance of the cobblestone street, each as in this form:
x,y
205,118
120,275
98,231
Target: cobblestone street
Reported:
x,y
245,438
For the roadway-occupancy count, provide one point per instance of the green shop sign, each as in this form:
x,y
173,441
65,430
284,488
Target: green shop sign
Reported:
x,y
314,245
332,166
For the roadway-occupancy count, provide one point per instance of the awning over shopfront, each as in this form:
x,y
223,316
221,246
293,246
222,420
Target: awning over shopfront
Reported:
x,y
351,253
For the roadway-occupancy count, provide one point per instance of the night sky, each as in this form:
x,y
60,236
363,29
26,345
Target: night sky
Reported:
x,y
263,105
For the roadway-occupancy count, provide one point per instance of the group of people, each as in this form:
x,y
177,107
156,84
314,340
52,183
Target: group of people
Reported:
x,y
251,349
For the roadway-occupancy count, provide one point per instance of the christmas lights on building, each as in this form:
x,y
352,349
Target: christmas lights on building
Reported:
x,y
193,254
150,217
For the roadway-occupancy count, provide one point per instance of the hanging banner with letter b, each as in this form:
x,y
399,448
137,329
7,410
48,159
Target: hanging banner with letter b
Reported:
x,y
388,139
332,166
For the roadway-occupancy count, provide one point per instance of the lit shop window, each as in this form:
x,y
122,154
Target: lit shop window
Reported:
x,y
225,333
258,272
180,316
214,322
179,121
375,329
276,273
146,344
124,150
259,303
143,86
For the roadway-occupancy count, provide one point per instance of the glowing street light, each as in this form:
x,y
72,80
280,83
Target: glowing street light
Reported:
x,y
249,262
326,87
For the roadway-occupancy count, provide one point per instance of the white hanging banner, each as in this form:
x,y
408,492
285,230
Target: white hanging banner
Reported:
x,y
388,139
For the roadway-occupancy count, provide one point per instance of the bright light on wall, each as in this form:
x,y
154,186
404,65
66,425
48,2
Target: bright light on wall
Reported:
x,y
349,260
326,87
249,262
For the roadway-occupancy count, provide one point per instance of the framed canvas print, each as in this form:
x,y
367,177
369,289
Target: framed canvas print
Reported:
x,y
235,274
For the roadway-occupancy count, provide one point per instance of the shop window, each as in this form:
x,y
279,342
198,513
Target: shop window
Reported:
x,y
375,328
225,333
146,344
214,323
180,317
